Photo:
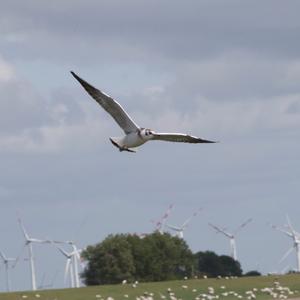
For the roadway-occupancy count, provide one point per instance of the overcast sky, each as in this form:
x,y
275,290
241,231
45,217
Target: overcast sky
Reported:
x,y
222,70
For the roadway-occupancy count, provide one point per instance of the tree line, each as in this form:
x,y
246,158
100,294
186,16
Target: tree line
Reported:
x,y
156,257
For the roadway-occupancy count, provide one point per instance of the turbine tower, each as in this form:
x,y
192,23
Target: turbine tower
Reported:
x,y
6,262
295,236
76,258
231,236
28,243
179,229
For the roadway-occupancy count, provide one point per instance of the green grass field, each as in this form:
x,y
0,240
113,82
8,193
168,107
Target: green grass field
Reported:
x,y
183,289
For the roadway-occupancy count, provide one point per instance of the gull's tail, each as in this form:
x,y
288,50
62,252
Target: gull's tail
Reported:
x,y
115,143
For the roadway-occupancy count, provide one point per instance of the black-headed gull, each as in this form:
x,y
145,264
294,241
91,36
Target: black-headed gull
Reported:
x,y
135,135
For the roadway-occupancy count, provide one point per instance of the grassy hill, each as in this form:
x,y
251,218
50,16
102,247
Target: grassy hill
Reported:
x,y
229,289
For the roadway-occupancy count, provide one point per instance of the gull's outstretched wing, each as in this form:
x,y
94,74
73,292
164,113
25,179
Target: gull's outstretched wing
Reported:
x,y
110,105
179,137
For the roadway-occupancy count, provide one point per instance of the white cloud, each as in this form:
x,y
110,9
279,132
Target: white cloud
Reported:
x,y
34,123
229,118
56,138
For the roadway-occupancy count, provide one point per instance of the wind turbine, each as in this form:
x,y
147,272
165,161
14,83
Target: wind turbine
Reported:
x,y
160,224
295,236
69,270
73,258
6,262
72,263
28,243
179,229
231,236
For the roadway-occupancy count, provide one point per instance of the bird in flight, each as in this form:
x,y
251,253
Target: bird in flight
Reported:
x,y
134,135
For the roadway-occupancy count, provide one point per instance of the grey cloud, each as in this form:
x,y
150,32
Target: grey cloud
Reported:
x,y
140,30
24,108
232,77
21,107
229,51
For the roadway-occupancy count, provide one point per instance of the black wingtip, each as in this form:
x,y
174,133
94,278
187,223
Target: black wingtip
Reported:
x,y
76,76
208,142
84,83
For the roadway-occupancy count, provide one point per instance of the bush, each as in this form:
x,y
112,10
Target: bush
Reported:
x,y
213,265
156,257
252,273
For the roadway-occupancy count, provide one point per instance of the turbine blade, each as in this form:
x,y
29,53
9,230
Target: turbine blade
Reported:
x,y
18,257
186,222
243,225
81,258
67,270
173,227
168,211
286,255
218,229
289,234
60,242
184,225
165,216
33,240
11,259
77,253
159,223
289,223
63,252
3,256
26,236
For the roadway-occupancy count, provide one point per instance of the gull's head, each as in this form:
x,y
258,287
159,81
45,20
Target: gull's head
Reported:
x,y
147,134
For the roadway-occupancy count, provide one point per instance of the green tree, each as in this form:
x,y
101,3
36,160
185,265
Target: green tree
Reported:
x,y
109,262
154,258
213,265
168,257
208,263
230,267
